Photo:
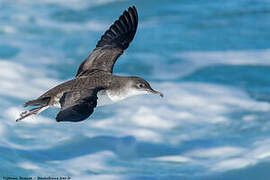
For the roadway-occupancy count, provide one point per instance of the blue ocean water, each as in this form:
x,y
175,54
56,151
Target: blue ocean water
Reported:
x,y
211,59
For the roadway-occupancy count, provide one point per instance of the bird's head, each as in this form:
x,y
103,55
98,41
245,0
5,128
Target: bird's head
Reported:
x,y
141,86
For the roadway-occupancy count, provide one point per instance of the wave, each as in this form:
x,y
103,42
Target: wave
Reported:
x,y
72,4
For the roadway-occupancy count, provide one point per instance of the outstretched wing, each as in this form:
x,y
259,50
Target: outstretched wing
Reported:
x,y
77,105
112,44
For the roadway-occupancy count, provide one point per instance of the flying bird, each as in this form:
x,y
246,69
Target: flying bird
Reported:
x,y
95,84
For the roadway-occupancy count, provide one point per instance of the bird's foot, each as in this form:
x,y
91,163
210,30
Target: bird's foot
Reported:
x,y
24,115
31,112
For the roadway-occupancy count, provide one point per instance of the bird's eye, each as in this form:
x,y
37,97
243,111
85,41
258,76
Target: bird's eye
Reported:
x,y
140,85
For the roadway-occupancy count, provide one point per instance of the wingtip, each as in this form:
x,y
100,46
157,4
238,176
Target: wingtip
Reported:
x,y
133,8
122,31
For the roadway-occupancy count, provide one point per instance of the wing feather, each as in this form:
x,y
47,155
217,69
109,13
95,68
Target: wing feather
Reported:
x,y
112,43
77,105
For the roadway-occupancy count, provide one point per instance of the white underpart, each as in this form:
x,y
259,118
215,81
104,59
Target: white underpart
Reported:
x,y
106,97
103,98
57,100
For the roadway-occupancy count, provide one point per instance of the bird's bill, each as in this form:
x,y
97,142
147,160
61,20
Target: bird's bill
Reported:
x,y
156,93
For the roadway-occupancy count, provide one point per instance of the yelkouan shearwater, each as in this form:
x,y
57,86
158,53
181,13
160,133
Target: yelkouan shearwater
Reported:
x,y
94,84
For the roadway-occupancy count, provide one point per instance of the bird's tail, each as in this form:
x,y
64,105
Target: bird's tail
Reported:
x,y
38,102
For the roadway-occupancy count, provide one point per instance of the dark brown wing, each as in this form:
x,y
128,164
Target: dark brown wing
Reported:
x,y
112,44
77,105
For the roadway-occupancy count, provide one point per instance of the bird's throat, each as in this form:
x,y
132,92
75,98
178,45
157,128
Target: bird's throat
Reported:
x,y
106,97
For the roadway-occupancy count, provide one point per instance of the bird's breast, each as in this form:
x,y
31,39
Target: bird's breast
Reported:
x,y
106,97
103,98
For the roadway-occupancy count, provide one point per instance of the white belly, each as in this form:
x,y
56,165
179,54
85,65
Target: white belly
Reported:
x,y
103,98
108,97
